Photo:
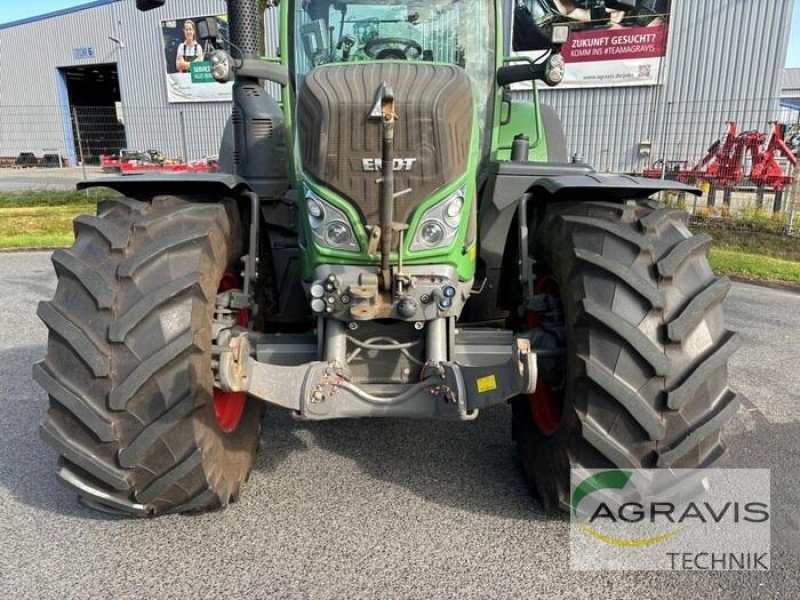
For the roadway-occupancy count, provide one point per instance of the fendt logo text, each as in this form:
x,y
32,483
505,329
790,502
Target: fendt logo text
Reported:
x,y
376,164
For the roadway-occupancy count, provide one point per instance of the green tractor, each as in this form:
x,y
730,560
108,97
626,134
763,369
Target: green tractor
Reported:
x,y
397,238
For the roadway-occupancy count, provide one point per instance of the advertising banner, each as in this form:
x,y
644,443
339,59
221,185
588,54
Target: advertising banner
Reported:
x,y
611,43
188,72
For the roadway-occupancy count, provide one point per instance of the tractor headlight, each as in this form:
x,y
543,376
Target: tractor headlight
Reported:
x,y
315,211
338,234
557,61
554,70
439,225
330,227
431,233
452,215
220,66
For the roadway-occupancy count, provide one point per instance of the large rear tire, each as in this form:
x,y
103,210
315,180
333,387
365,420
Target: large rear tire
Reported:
x,y
128,366
646,346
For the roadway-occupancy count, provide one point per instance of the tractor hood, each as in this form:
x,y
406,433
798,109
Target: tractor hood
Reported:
x,y
340,131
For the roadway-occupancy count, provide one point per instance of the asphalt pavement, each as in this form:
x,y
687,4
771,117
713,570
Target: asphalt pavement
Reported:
x,y
370,508
14,179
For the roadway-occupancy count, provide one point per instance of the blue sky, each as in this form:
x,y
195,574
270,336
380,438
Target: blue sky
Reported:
x,y
793,57
13,11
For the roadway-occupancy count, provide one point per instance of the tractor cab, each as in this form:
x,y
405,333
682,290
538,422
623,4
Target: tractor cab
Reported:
x,y
453,32
392,101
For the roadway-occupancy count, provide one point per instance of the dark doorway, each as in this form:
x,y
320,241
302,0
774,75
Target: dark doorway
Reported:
x,y
94,105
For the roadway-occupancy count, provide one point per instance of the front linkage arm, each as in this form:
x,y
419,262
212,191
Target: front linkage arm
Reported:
x,y
319,390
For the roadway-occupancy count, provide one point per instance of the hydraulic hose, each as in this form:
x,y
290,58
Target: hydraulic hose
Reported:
x,y
387,184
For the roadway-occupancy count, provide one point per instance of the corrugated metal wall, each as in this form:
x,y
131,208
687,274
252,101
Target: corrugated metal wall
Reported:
x,y
31,102
151,121
29,91
725,62
28,74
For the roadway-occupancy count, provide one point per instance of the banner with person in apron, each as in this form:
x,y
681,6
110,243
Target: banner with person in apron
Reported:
x,y
188,72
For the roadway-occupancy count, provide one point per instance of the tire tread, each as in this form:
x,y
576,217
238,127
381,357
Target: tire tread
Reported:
x,y
635,285
717,358
116,236
75,452
82,345
725,410
695,312
94,420
680,254
135,428
67,263
121,395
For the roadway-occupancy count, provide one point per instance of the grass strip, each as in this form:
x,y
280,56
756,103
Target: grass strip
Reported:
x,y
754,242
754,255
40,226
36,198
43,219
755,267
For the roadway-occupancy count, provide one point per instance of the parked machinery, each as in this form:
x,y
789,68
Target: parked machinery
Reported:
x,y
724,164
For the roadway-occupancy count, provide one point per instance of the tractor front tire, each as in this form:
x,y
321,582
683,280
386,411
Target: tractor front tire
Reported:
x,y
128,367
646,346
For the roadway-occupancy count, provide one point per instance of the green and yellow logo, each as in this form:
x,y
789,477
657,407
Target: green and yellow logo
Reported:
x,y
615,481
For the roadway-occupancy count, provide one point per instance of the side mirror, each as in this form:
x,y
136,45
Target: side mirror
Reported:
x,y
551,72
223,67
208,29
315,40
145,5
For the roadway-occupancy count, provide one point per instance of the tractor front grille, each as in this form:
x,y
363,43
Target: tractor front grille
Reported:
x,y
434,107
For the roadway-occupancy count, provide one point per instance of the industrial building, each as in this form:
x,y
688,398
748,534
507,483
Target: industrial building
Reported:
x,y
724,62
790,96
98,85
100,68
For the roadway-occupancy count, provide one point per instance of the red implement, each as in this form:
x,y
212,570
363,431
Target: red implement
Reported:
x,y
767,172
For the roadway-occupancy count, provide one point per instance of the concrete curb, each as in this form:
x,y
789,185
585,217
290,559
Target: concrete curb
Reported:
x,y
774,285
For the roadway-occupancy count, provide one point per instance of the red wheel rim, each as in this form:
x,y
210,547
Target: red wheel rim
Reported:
x,y
229,406
545,405
545,408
